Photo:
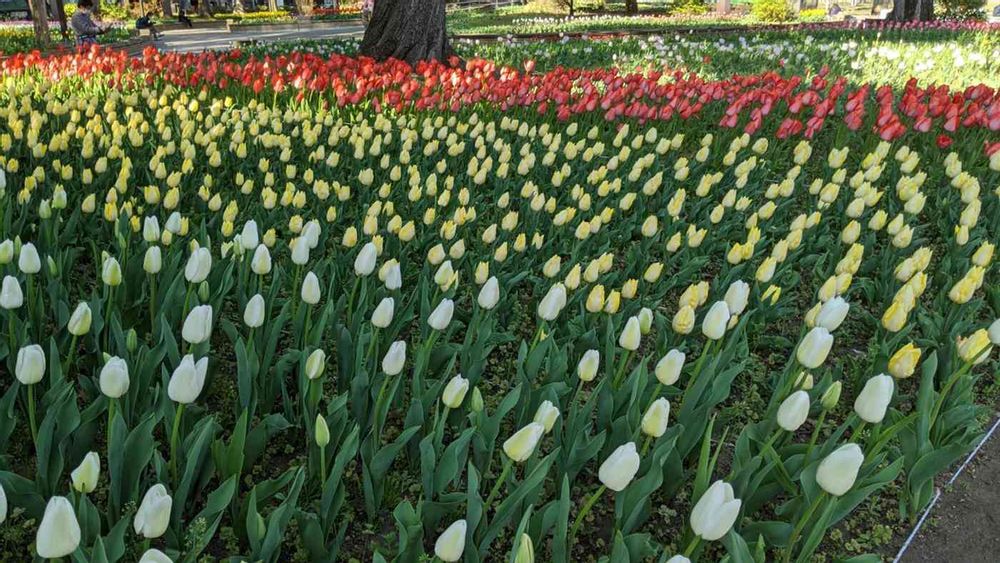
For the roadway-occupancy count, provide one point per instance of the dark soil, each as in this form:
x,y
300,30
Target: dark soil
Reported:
x,y
963,525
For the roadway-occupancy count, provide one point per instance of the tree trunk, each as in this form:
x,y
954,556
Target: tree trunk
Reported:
x,y
60,13
910,10
272,5
168,8
40,22
631,6
408,30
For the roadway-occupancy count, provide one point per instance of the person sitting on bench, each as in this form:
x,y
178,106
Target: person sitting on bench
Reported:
x,y
83,24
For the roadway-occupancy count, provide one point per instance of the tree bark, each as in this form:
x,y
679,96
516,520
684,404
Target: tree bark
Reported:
x,y
40,22
168,8
912,10
408,30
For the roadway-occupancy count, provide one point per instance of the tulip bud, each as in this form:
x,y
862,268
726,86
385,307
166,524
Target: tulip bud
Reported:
x,y
364,264
793,411
28,260
114,380
300,252
814,348
737,297
11,296
86,474
715,512
716,320
587,368
198,266
451,544
310,292
552,304
874,399
994,332
187,380
131,340
631,336
198,325
525,550
683,322
392,363
645,320
654,421
151,229
153,516
382,316
249,236
975,348
454,392
6,252
154,555
521,445
668,369
30,366
831,396
321,433
832,313
620,468
315,364
838,471
152,262
59,532
546,415
253,315
678,559
440,317
393,277
595,299
79,321
903,363
489,295
476,402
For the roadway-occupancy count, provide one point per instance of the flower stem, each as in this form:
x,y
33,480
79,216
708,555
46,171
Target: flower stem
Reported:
x,y
322,465
583,513
802,524
815,435
70,355
31,414
111,418
621,369
174,435
507,464
152,303
692,546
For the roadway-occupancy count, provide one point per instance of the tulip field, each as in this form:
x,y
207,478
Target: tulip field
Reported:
x,y
310,307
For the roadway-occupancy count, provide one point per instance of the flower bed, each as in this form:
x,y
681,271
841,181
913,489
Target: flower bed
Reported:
x,y
314,307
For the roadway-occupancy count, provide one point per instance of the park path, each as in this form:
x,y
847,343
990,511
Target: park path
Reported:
x,y
208,38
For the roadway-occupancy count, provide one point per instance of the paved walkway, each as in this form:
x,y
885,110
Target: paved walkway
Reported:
x,y
200,39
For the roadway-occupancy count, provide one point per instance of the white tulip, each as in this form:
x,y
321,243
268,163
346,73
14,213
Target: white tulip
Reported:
x,y
151,229
198,325
656,418
874,398
187,380
838,471
521,445
793,411
645,320
114,380
59,533
315,364
249,236
715,512
451,544
454,392
3,504
489,295
546,415
300,252
716,320
152,262
30,366
393,278
364,264
11,296
440,318
153,516
552,304
814,348
587,368
994,332
174,223
311,292
737,297
382,315
833,313
668,369
79,321
6,252
253,314
86,475
311,232
392,363
631,335
28,260
154,555
199,265
620,468
260,264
